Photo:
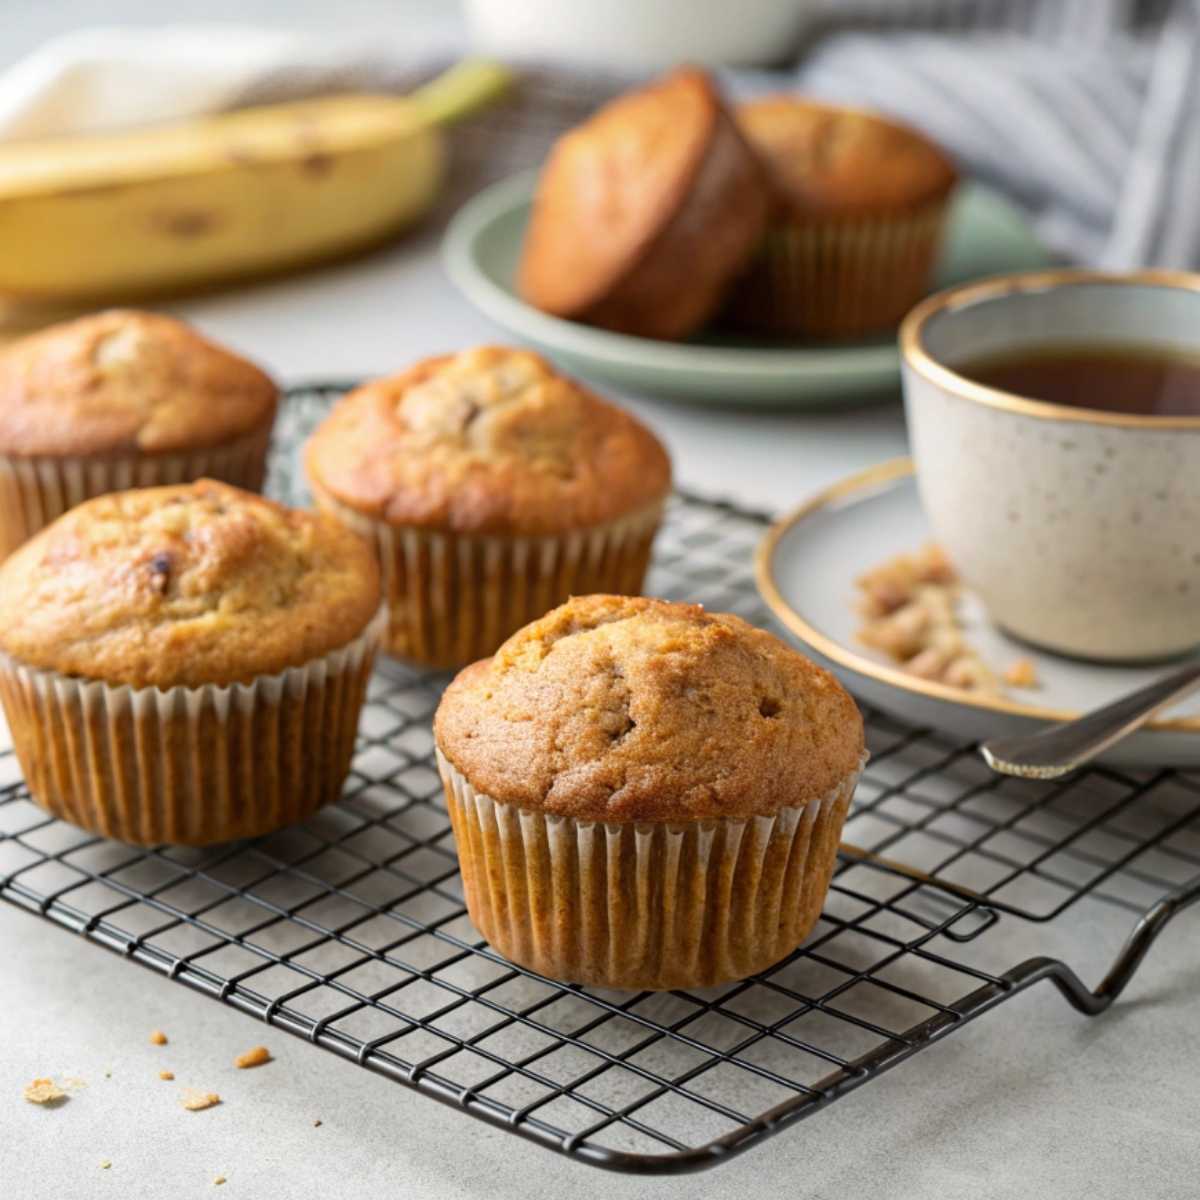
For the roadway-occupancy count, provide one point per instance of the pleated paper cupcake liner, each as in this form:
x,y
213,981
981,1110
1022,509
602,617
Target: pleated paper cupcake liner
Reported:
x,y
190,765
838,278
35,491
646,906
455,598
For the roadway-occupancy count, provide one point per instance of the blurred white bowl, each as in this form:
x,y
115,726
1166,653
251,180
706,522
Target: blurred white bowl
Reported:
x,y
642,34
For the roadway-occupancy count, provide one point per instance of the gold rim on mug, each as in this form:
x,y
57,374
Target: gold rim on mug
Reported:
x,y
914,354
768,587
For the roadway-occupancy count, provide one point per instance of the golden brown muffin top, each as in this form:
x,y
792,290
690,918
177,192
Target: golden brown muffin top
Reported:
x,y
614,708
609,187
490,440
122,381
188,584
836,161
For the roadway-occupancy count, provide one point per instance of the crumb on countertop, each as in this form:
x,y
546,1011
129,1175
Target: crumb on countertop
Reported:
x,y
197,1101
317,1123
105,1164
1022,674
252,1058
167,1075
158,1038
44,1091
220,1179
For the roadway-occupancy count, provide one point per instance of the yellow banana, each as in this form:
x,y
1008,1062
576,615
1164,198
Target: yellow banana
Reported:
x,y
242,193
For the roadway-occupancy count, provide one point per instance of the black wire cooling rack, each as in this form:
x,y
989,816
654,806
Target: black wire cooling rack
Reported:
x,y
350,930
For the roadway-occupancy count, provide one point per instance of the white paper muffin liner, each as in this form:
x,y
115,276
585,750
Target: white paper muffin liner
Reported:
x,y
190,765
35,491
454,598
646,906
838,278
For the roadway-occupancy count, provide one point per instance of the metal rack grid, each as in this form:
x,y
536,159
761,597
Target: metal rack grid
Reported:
x,y
350,930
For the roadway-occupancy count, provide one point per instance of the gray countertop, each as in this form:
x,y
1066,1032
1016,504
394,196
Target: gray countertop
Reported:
x,y
1033,1099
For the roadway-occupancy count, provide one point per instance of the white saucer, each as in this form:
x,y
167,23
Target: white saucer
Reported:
x,y
806,568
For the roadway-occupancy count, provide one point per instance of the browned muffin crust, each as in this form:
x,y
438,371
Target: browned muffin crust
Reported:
x,y
645,212
614,708
488,441
123,381
184,585
835,161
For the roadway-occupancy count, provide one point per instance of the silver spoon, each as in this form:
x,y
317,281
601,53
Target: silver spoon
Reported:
x,y
1062,748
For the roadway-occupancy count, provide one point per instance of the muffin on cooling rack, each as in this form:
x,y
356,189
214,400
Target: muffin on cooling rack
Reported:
x,y
494,488
860,205
645,212
187,663
118,400
646,795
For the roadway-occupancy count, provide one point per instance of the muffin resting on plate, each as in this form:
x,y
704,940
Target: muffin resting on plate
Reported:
x,y
493,489
187,663
118,400
645,212
646,795
860,206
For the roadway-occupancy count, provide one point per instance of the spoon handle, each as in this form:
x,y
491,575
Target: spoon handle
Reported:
x,y
1062,748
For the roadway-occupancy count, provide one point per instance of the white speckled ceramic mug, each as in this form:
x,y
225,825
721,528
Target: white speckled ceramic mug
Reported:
x,y
1079,529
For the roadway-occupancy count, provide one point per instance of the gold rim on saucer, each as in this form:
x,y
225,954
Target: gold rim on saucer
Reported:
x,y
914,354
855,485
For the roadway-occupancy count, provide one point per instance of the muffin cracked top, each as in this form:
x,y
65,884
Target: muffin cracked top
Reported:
x,y
832,161
616,708
123,381
488,441
184,585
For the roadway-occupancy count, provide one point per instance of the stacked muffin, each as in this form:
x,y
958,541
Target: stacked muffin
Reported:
x,y
859,207
784,217
646,212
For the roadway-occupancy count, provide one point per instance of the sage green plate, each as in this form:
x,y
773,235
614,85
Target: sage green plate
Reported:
x,y
987,236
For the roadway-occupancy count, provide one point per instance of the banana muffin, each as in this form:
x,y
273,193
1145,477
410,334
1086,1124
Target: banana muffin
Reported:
x,y
646,212
187,663
117,400
646,795
493,488
860,204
